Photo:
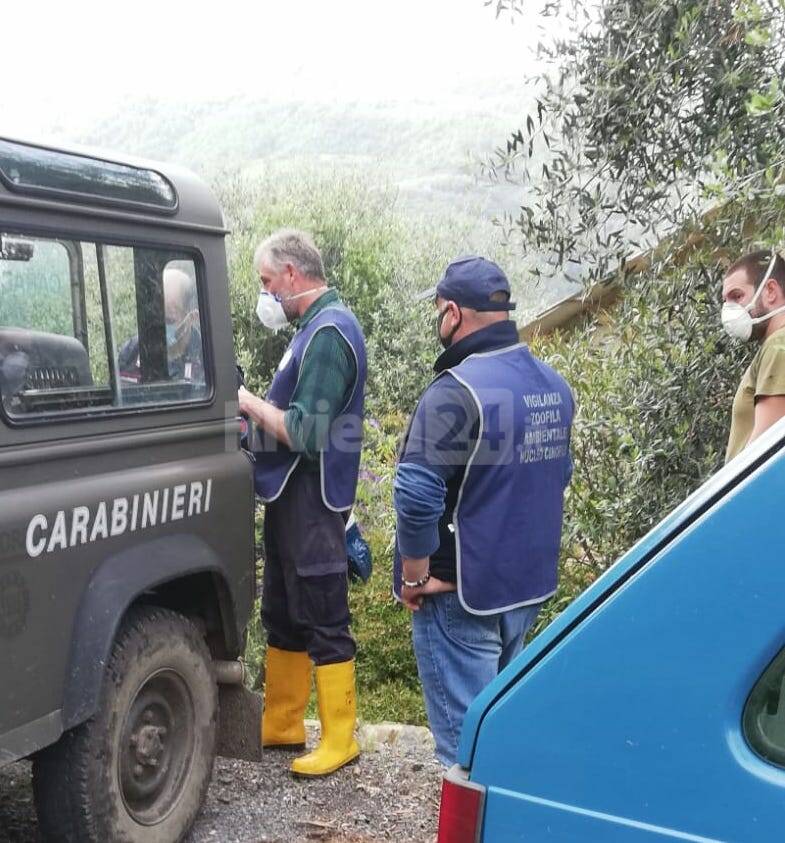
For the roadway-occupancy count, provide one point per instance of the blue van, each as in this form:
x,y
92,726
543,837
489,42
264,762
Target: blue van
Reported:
x,y
653,708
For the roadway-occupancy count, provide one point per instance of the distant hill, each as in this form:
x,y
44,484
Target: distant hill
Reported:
x,y
425,148
428,150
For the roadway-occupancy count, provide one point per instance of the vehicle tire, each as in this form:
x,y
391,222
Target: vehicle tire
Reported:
x,y
137,770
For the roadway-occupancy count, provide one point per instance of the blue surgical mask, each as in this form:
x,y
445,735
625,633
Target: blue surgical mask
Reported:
x,y
175,331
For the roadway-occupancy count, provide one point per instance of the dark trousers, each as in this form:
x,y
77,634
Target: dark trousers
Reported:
x,y
305,601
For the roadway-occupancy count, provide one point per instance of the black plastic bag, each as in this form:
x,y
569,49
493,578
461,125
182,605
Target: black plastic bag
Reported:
x,y
358,553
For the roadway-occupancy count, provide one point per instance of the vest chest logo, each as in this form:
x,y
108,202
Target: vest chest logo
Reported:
x,y
546,436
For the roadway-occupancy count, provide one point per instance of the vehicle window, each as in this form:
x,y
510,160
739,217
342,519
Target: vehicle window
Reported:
x,y
82,178
159,332
764,714
86,326
36,288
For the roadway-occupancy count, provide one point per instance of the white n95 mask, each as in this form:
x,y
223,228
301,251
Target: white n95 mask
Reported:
x,y
736,318
270,311
269,308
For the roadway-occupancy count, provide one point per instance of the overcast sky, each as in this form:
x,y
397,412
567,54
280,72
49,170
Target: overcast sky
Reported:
x,y
72,60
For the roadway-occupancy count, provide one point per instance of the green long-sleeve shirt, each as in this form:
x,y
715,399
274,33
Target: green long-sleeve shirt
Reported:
x,y
327,377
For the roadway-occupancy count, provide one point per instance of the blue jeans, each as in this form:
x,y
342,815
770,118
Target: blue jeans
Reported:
x,y
458,654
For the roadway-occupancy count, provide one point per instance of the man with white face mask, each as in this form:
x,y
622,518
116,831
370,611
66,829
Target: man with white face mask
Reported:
x,y
306,471
753,294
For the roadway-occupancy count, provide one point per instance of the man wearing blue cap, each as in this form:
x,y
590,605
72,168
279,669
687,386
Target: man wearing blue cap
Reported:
x,y
478,496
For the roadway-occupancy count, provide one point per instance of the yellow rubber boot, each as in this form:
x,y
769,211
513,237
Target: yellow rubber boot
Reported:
x,y
337,713
287,686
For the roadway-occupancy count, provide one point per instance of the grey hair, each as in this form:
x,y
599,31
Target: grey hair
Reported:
x,y
288,245
186,285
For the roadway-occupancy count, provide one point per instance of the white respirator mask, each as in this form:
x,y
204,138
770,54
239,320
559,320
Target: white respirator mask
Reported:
x,y
736,318
269,308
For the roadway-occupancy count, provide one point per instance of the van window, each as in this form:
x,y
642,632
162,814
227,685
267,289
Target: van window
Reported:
x,y
764,714
90,326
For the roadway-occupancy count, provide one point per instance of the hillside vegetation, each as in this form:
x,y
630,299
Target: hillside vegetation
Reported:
x,y
428,150
653,379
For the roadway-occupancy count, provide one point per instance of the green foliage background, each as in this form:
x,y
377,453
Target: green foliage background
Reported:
x,y
657,128
654,124
654,379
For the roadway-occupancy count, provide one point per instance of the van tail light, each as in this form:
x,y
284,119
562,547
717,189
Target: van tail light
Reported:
x,y
460,811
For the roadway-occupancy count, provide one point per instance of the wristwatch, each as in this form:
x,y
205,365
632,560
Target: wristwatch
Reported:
x,y
417,583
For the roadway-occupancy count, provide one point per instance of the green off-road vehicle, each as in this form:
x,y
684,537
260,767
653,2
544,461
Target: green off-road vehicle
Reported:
x,y
126,504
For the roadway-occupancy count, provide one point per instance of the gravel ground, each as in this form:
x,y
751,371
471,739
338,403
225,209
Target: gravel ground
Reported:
x,y
390,793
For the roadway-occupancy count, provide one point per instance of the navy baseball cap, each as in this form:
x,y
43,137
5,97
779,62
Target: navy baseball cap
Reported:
x,y
470,282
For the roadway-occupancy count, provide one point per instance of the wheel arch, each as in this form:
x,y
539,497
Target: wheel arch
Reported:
x,y
181,573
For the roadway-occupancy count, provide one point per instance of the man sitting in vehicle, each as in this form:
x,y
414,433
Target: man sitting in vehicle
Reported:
x,y
183,339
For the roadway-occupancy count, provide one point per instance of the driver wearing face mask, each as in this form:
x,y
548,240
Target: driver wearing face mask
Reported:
x,y
184,356
753,294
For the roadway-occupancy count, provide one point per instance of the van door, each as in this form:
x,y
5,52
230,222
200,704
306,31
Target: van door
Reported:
x,y
651,709
89,330
43,349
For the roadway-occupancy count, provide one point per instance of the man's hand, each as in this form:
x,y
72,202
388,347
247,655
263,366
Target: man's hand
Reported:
x,y
245,400
412,597
416,569
264,414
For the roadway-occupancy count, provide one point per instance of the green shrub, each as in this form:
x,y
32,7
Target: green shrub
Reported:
x,y
654,380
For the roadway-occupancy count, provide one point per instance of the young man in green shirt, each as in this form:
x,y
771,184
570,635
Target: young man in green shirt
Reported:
x,y
753,294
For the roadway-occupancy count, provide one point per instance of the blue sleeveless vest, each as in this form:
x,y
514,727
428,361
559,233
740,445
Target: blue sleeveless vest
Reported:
x,y
508,517
340,460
